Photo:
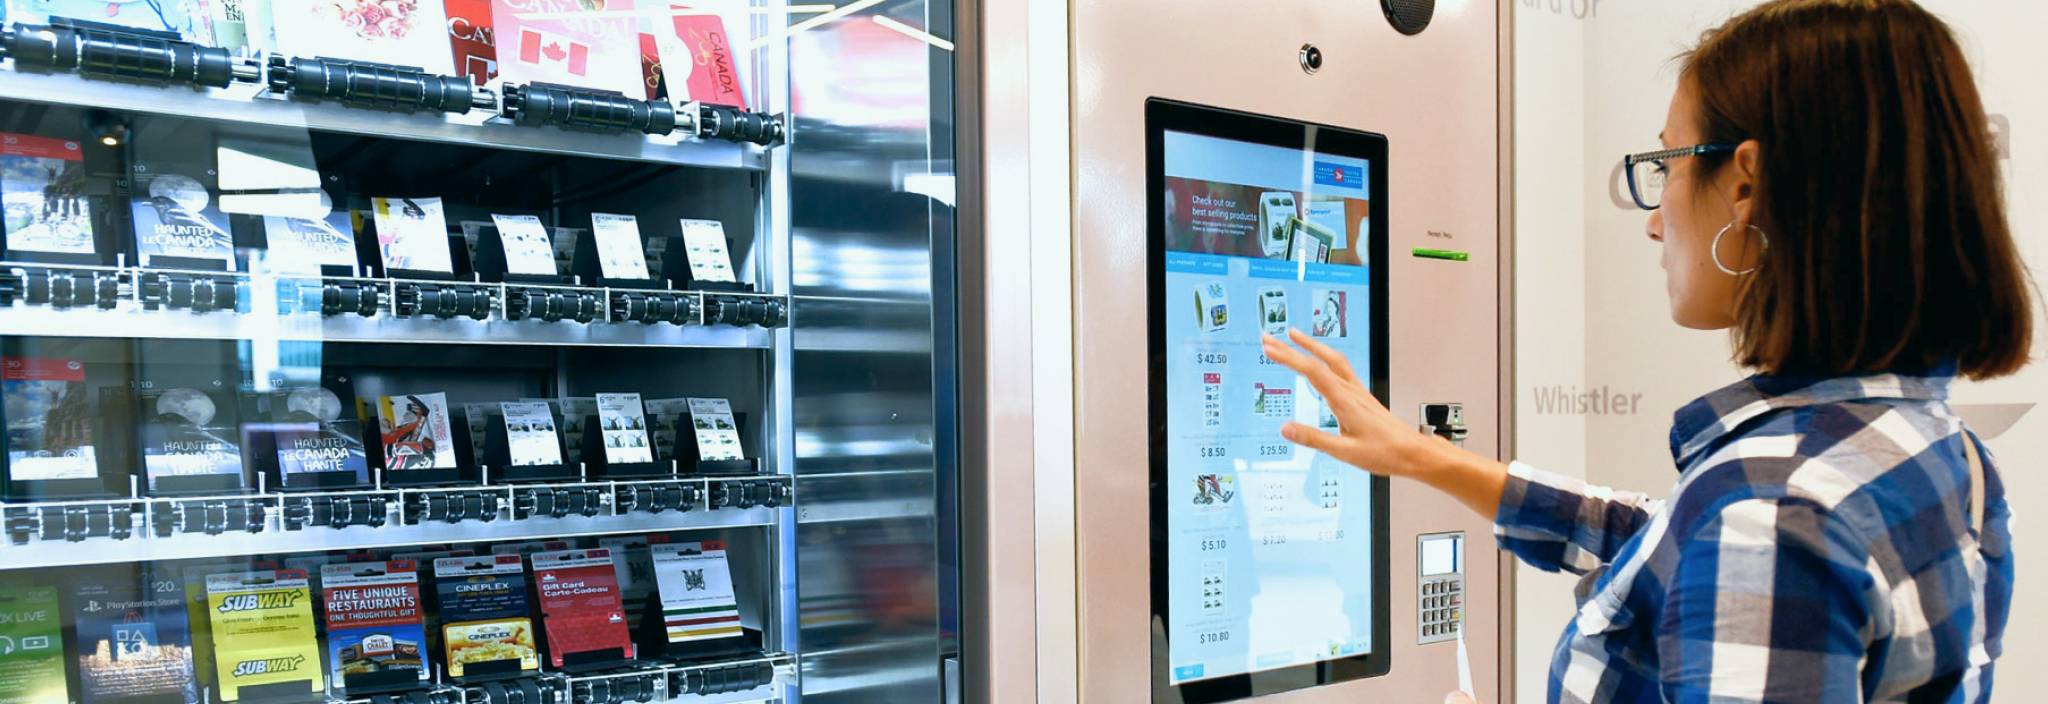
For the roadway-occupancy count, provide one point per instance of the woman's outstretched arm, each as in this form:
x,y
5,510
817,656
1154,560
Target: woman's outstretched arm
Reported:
x,y
1552,522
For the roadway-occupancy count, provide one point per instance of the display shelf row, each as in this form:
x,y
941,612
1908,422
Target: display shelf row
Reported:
x,y
160,62
51,533
716,682
56,300
629,617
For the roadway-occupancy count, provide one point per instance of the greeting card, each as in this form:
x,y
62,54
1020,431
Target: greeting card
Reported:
x,y
586,43
699,62
401,32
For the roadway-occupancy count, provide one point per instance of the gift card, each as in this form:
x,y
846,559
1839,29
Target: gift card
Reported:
x,y
619,252
412,233
697,601
580,603
625,429
263,631
374,621
527,247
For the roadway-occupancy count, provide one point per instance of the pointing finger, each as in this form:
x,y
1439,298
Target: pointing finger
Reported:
x,y
1338,363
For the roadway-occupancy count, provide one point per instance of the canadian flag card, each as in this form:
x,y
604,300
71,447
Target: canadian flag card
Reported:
x,y
570,43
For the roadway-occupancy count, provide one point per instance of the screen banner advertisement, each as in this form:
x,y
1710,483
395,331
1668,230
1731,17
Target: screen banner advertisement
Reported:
x,y
1257,238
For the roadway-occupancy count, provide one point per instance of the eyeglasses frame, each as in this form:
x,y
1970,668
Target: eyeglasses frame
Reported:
x,y
1628,165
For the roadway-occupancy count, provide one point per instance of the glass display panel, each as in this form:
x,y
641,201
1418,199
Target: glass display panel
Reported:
x,y
444,351
1269,569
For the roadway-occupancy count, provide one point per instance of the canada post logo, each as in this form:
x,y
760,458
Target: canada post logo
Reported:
x,y
1339,175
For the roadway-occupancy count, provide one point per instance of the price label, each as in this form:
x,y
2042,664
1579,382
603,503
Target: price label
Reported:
x,y
1275,450
1273,539
1213,636
1212,358
1209,544
1212,451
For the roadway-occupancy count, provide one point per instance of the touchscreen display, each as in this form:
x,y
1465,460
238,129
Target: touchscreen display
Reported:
x,y
1269,546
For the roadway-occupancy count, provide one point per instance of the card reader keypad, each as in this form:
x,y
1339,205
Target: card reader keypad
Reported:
x,y
1442,608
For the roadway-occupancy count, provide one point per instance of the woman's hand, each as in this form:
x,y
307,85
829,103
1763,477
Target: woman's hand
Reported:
x,y
1372,438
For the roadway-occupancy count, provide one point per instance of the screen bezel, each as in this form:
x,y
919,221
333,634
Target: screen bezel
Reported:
x,y
1162,116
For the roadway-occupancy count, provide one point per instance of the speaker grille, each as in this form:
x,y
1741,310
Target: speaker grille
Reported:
x,y
1409,16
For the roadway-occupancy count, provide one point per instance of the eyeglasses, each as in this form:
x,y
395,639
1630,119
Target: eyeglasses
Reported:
x,y
1646,171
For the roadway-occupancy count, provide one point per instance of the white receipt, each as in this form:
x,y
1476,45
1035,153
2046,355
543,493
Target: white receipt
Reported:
x,y
1464,666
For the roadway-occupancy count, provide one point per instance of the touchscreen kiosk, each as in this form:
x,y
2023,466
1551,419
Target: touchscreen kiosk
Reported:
x,y
1269,561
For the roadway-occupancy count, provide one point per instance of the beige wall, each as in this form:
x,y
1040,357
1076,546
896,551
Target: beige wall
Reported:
x,y
1592,82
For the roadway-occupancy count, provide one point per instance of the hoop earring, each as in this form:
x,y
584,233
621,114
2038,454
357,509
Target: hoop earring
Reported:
x,y
1714,250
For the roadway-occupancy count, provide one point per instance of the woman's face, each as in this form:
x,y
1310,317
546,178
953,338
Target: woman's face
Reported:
x,y
1702,296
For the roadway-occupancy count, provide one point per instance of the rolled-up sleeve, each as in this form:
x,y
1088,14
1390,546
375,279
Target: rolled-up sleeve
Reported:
x,y
1555,522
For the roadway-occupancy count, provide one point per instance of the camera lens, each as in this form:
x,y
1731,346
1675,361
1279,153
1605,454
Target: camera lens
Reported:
x,y
1311,58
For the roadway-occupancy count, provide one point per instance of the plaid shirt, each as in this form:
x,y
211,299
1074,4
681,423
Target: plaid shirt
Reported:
x,y
1817,548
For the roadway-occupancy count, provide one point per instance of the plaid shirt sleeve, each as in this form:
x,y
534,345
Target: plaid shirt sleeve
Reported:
x,y
1555,522
1769,602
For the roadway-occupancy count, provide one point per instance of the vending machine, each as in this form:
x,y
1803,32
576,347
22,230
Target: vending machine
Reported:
x,y
472,352
1203,174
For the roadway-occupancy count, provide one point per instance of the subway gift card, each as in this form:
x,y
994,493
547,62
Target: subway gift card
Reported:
x,y
579,604
484,613
262,631
374,628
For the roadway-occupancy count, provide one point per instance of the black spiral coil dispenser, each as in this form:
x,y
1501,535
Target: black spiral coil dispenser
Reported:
x,y
382,86
112,51
537,104
722,122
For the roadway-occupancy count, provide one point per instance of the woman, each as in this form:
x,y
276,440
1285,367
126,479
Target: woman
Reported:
x,y
1836,534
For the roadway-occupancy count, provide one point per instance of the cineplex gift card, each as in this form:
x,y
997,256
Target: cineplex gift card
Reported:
x,y
483,612
579,603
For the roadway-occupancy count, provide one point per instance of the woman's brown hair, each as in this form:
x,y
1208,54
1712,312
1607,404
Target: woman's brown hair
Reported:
x,y
1878,189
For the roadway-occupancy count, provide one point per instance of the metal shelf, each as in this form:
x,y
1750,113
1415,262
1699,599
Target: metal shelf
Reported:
x,y
143,545
273,315
251,104
783,663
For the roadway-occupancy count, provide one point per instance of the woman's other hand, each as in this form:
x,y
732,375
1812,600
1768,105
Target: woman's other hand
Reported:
x,y
1373,439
